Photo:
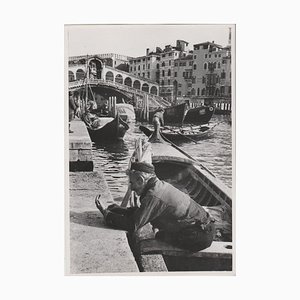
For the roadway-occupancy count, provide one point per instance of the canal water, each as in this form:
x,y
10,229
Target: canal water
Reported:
x,y
215,153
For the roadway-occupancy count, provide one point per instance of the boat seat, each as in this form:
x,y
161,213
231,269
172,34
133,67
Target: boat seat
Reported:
x,y
216,250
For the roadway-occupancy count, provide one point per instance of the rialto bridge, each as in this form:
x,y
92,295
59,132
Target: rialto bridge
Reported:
x,y
108,81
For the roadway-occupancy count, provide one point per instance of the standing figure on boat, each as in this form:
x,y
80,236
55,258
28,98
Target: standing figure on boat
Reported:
x,y
178,218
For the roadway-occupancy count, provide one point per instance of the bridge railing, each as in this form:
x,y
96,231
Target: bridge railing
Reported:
x,y
155,99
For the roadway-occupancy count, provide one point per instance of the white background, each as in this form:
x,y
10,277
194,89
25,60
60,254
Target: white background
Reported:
x,y
32,150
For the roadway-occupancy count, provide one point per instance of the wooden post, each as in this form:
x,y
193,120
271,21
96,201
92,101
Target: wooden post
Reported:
x,y
114,108
147,108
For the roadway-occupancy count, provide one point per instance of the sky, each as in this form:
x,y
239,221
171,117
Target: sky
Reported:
x,y
133,40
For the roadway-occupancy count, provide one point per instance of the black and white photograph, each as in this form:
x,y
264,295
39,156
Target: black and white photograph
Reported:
x,y
150,136
149,150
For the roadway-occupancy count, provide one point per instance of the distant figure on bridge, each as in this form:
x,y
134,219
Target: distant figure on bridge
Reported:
x,y
73,108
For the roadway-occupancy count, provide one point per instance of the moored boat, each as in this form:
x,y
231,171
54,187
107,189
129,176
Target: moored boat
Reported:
x,y
104,128
184,133
126,112
188,175
175,166
199,115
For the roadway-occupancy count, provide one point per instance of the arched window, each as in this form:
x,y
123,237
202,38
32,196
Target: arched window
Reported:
x,y
215,65
137,85
162,82
219,65
198,92
169,81
119,79
145,87
205,66
128,81
163,73
169,72
153,90
217,92
109,76
79,74
193,91
157,66
71,76
203,92
163,64
195,67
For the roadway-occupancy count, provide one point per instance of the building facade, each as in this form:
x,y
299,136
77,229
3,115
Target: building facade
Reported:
x,y
211,71
159,66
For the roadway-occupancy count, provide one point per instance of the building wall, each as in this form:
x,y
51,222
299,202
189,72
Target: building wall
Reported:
x,y
214,82
183,72
159,67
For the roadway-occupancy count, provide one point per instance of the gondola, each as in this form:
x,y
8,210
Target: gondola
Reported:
x,y
104,128
184,133
178,168
172,164
172,114
199,115
188,175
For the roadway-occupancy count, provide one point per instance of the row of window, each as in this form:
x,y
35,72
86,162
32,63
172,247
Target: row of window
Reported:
x,y
207,91
143,74
209,55
211,65
183,63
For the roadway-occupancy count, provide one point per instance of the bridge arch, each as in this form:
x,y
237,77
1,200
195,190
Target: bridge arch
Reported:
x,y
128,81
119,79
145,87
71,76
96,67
153,90
137,85
80,74
109,76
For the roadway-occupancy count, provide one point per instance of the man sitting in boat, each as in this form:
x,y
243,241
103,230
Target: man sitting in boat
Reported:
x,y
180,220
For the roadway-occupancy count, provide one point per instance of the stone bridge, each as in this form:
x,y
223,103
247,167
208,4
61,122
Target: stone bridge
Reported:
x,y
94,72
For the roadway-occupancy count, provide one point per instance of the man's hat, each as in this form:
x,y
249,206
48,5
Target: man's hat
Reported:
x,y
143,167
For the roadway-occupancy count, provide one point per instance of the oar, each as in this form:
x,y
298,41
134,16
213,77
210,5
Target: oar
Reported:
x,y
126,198
182,135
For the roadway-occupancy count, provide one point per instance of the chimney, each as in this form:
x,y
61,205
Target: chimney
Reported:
x,y
147,51
229,38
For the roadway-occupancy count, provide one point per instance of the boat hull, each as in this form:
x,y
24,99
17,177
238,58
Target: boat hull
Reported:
x,y
199,115
113,130
179,135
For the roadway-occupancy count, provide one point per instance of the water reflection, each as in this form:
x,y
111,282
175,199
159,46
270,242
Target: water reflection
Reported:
x,y
215,153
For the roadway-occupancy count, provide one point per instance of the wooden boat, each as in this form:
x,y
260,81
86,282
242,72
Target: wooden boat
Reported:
x,y
185,173
199,115
172,114
180,169
104,128
184,133
175,114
